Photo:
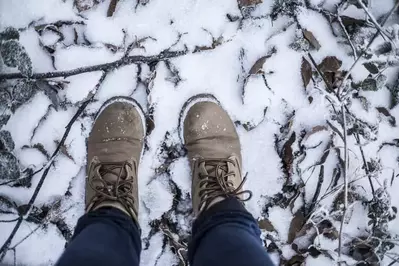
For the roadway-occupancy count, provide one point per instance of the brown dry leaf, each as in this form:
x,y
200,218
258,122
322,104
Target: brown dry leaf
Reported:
x,y
306,72
265,224
257,67
287,154
311,39
296,225
245,3
111,8
314,130
330,64
384,111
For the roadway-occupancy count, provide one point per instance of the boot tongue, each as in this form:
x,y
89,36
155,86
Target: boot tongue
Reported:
x,y
110,173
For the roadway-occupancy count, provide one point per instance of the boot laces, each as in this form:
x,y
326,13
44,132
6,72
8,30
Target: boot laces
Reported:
x,y
113,181
217,184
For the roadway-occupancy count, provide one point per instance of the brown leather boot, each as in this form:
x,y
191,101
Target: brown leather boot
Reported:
x,y
214,152
114,148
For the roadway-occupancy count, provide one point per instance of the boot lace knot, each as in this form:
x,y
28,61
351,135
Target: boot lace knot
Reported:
x,y
216,183
113,181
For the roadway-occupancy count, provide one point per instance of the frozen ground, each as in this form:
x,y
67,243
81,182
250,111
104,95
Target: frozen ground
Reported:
x,y
321,155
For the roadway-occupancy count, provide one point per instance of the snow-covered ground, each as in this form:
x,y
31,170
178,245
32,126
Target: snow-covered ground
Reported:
x,y
259,59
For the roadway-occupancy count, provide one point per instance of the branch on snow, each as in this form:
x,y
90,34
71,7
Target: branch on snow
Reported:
x,y
128,60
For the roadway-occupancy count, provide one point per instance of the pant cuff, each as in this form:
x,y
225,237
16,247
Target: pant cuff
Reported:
x,y
229,210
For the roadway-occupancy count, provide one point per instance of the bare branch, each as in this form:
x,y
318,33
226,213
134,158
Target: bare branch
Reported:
x,y
376,24
347,36
345,173
135,59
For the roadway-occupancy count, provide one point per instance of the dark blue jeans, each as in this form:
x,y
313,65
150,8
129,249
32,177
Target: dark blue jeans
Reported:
x,y
225,234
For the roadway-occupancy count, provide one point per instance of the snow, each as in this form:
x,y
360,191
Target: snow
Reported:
x,y
65,58
180,174
31,114
267,108
21,13
112,85
79,86
157,197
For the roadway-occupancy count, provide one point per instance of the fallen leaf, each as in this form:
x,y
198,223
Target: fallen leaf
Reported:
x,y
287,154
314,130
311,39
15,55
384,111
330,64
112,7
383,48
352,22
51,92
306,72
370,84
245,3
371,67
265,224
257,67
296,225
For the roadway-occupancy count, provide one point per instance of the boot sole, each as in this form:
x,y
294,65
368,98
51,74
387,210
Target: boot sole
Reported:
x,y
203,97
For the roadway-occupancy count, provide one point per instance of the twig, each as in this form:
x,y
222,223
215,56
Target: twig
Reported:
x,y
335,129
365,50
21,178
394,261
111,8
347,37
25,237
9,221
345,170
137,44
376,24
102,67
7,243
318,189
366,168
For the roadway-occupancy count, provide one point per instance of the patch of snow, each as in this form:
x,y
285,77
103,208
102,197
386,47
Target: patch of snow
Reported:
x,y
30,114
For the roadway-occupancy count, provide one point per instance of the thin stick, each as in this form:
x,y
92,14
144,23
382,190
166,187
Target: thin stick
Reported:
x,y
366,168
345,172
102,67
375,22
347,37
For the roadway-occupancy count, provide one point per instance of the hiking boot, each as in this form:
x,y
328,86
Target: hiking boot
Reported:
x,y
214,152
114,149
